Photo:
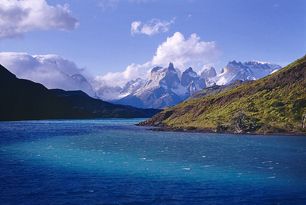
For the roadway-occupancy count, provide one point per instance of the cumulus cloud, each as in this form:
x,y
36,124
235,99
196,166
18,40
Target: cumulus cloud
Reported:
x,y
114,79
183,52
52,71
152,27
56,72
20,16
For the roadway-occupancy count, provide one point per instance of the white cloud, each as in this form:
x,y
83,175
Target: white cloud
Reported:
x,y
20,16
135,26
52,71
56,72
114,79
152,27
190,52
183,52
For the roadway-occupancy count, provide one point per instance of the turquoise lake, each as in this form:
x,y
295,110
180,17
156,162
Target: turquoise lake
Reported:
x,y
115,162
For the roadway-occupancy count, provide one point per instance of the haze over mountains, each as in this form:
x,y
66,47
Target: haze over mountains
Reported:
x,y
26,100
51,70
162,87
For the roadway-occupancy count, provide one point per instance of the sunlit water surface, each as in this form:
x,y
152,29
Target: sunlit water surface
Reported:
x,y
115,162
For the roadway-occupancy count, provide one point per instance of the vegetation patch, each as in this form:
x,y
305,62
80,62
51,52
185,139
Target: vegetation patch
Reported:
x,y
273,104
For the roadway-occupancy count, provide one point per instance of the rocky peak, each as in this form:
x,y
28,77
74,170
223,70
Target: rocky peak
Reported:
x,y
233,65
171,78
171,67
188,76
162,77
131,86
250,70
209,73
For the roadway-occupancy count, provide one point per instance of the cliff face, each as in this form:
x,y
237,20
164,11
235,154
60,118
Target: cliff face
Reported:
x,y
274,104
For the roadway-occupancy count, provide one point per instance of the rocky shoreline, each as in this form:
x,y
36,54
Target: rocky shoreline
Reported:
x,y
197,130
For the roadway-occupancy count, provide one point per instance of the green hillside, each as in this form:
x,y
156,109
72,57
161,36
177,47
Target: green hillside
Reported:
x,y
274,104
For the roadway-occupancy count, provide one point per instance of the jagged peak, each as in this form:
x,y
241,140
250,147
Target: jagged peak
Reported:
x,y
159,68
234,62
189,70
171,66
209,72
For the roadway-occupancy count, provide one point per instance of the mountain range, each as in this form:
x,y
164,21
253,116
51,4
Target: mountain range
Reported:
x,y
162,87
168,86
273,104
24,100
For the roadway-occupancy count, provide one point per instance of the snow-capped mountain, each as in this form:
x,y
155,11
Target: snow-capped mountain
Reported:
x,y
251,70
165,78
208,75
167,87
131,87
192,81
164,88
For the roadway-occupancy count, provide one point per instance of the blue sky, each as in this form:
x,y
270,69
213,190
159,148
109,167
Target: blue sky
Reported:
x,y
266,30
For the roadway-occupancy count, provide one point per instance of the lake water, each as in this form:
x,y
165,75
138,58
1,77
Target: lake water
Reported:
x,y
115,162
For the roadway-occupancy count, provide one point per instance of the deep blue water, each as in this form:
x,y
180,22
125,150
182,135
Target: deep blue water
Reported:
x,y
115,162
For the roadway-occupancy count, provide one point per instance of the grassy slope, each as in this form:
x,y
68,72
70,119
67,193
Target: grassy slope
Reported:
x,y
275,103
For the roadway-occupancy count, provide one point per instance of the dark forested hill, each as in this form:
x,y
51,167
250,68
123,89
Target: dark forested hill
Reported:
x,y
24,99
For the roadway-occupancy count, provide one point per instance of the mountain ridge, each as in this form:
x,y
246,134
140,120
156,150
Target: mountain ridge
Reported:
x,y
273,104
167,86
26,100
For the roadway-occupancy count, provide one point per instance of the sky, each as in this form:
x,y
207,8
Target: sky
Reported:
x,y
112,39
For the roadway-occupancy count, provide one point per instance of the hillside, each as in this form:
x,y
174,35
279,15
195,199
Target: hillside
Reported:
x,y
274,104
24,99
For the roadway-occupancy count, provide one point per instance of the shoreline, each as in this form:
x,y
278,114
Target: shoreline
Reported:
x,y
170,129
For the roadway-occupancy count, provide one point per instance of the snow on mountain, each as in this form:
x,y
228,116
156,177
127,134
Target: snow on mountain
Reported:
x,y
166,86
131,87
208,75
192,81
162,89
251,70
162,77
